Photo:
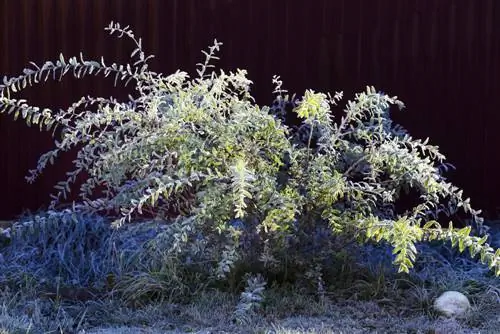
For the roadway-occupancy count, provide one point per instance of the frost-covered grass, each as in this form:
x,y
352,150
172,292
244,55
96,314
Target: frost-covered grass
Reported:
x,y
80,276
287,312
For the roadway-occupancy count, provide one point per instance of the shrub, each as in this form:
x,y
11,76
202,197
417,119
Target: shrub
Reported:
x,y
256,194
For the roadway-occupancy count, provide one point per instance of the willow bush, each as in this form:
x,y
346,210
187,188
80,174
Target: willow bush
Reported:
x,y
250,192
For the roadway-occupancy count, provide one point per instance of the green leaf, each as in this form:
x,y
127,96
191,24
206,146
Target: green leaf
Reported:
x,y
461,245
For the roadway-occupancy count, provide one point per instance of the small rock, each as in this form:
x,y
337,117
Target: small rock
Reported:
x,y
452,304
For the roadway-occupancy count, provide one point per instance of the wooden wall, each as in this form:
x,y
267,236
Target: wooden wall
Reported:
x,y
441,57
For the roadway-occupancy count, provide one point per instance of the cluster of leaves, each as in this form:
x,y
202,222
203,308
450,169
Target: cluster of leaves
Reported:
x,y
256,197
251,299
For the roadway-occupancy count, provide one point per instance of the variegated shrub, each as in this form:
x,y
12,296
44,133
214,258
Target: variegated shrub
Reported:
x,y
250,195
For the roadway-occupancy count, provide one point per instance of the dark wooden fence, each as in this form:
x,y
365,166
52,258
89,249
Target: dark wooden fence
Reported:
x,y
439,56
